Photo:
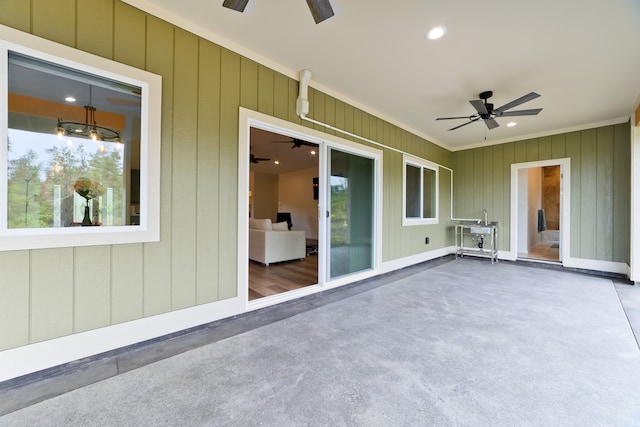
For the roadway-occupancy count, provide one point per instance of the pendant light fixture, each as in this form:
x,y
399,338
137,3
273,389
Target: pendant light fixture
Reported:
x,y
89,128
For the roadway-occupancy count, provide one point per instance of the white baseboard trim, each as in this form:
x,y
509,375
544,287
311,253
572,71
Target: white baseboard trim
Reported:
x,y
597,265
506,255
399,263
31,358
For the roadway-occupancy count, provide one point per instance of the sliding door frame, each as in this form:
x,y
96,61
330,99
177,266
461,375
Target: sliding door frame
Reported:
x,y
247,120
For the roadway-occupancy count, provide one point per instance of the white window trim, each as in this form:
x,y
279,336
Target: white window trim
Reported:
x,y
151,84
423,164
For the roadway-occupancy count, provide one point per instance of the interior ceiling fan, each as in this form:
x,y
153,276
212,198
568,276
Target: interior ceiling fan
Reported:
x,y
488,114
297,143
320,9
254,159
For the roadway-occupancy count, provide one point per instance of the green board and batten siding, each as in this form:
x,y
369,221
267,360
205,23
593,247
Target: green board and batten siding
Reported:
x,y
50,293
600,186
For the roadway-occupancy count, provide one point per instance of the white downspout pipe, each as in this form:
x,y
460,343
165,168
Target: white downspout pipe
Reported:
x,y
302,109
302,105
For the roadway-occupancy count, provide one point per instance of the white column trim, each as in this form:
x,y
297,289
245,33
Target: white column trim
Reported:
x,y
634,255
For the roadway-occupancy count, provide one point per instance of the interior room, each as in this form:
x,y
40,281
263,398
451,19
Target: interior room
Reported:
x,y
539,224
283,188
463,247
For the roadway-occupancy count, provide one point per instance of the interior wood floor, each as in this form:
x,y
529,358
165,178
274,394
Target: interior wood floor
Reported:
x,y
281,277
543,252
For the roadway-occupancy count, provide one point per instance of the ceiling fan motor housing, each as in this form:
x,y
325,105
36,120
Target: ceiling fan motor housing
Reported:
x,y
489,112
486,94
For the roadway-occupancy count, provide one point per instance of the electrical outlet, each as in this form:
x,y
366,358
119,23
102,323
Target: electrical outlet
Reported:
x,y
426,240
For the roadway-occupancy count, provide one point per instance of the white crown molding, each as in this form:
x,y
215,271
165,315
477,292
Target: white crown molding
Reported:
x,y
586,126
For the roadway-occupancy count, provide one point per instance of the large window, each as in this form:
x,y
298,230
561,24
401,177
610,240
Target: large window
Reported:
x,y
79,161
420,192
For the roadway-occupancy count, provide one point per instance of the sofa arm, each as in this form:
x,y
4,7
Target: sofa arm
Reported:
x,y
257,240
275,246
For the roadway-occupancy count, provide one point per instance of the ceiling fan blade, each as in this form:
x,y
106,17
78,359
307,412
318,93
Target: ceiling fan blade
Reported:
x,y
491,123
531,112
479,106
516,102
238,5
320,9
297,143
464,124
452,118
254,159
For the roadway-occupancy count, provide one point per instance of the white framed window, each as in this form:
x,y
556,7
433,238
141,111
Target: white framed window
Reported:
x,y
420,191
79,150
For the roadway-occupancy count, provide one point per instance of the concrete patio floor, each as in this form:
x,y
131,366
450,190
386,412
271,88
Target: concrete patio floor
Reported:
x,y
456,342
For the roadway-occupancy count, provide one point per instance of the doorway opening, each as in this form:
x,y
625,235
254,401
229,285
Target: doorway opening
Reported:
x,y
540,202
283,213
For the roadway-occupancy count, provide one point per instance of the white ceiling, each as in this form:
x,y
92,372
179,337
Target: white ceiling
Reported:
x,y
581,56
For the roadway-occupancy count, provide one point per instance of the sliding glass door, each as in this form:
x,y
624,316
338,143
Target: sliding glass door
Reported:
x,y
351,213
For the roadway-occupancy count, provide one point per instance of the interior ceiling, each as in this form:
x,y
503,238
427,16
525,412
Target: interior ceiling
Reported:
x,y
580,56
275,147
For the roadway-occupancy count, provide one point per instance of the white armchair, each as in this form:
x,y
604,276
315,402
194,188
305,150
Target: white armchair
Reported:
x,y
270,243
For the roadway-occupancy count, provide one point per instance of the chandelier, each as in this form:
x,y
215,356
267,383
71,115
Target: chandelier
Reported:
x,y
89,128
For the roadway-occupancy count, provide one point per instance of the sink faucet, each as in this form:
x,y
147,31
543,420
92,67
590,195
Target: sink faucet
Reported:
x,y
485,216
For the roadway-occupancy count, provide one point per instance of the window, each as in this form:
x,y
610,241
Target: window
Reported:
x,y
79,162
420,192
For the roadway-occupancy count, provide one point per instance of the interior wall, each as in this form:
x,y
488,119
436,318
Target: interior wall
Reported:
x,y
534,203
295,195
551,196
600,186
265,196
251,201
50,293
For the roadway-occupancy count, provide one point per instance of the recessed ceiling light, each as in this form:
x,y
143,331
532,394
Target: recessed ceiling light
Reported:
x,y
277,162
313,152
436,32
511,124
70,99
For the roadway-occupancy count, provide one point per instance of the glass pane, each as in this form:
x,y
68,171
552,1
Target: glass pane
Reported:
x,y
428,193
73,138
352,216
412,188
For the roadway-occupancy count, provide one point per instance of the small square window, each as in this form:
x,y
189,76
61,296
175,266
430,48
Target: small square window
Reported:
x,y
420,192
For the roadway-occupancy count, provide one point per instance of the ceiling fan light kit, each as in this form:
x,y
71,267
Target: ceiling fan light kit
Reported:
x,y
320,9
488,114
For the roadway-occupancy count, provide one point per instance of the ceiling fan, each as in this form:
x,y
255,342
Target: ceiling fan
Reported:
x,y
297,143
488,114
320,9
254,159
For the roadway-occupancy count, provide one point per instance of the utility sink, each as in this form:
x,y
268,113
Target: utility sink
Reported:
x,y
480,228
477,237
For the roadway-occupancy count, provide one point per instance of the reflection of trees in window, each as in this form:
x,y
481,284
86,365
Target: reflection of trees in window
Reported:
x,y
43,196
23,191
339,211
